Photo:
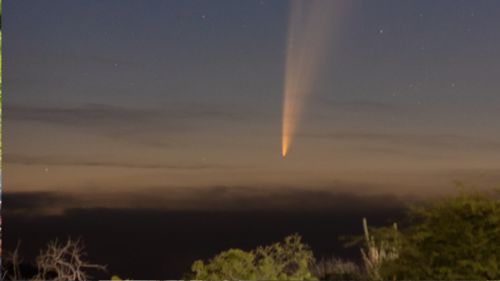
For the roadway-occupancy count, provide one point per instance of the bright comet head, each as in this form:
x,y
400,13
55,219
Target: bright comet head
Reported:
x,y
284,146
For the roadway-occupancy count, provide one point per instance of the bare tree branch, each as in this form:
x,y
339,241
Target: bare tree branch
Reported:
x,y
64,261
15,261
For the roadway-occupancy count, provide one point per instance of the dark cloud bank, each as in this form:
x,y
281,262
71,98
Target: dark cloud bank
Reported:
x,y
162,243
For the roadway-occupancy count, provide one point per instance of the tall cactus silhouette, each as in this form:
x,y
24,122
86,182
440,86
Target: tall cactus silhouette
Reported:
x,y
378,250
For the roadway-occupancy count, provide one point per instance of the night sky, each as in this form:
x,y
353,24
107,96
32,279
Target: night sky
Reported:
x,y
168,111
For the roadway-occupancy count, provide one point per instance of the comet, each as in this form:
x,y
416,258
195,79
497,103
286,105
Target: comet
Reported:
x,y
310,28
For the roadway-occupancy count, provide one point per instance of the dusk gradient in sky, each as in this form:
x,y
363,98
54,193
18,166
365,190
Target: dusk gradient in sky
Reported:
x,y
167,100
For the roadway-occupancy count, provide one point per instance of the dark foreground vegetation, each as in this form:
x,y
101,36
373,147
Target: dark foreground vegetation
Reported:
x,y
452,238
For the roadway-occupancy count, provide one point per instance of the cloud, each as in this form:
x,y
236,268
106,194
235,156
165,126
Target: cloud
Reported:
x,y
57,160
280,198
433,141
146,126
104,115
360,105
228,198
477,177
32,202
90,114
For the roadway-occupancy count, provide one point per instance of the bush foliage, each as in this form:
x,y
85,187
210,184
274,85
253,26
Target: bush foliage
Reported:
x,y
454,238
288,260
337,269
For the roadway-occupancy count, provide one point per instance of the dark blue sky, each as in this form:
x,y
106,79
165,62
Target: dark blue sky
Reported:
x,y
135,96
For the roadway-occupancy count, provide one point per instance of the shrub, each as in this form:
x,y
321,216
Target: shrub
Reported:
x,y
288,260
233,264
454,238
337,269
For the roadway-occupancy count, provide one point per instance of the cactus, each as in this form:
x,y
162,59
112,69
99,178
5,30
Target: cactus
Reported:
x,y
385,248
